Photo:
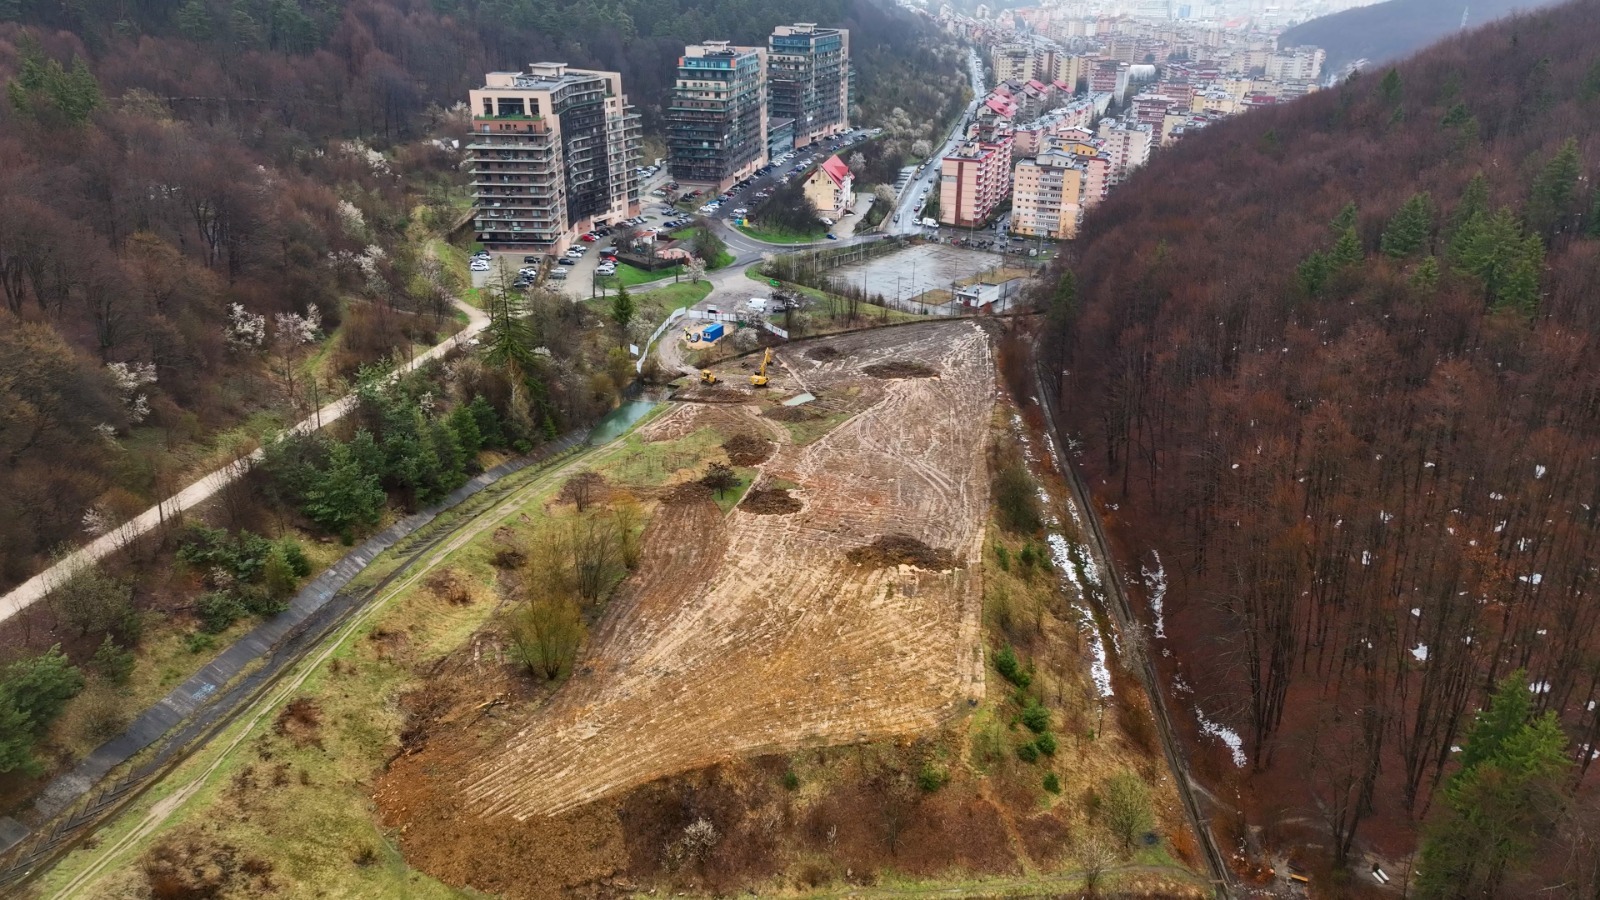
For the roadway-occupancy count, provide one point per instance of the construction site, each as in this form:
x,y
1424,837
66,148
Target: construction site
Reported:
x,y
784,680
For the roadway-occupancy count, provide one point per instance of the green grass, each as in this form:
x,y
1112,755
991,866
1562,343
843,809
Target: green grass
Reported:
x,y
628,276
811,430
781,237
664,300
730,499
828,306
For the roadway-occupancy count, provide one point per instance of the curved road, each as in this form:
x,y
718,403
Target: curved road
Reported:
x,y
36,588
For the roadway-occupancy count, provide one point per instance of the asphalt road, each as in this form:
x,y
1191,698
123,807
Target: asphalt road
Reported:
x,y
905,219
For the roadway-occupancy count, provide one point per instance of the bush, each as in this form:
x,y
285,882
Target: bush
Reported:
x,y
198,642
243,556
1046,744
1016,497
217,610
1028,753
931,778
791,781
295,556
1002,557
1005,662
1052,783
1126,807
32,693
1036,717
112,662
93,602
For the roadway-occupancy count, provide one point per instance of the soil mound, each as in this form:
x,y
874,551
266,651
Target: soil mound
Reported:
x,y
899,549
901,368
822,354
775,502
688,492
747,449
790,414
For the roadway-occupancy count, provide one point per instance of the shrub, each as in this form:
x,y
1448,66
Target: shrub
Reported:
x,y
931,778
112,662
791,781
1002,557
1052,783
1028,753
295,556
1005,662
1126,807
217,610
1014,495
1036,717
1046,744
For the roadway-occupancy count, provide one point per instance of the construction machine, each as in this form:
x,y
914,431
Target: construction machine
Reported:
x,y
759,379
707,377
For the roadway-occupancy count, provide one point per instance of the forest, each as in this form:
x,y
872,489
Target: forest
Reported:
x,y
1333,368
1386,31
198,198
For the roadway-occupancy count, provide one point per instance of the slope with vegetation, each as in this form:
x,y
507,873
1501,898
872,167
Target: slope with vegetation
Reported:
x,y
1334,366
1395,28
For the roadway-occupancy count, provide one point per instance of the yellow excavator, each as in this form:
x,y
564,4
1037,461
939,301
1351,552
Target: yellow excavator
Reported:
x,y
707,377
759,379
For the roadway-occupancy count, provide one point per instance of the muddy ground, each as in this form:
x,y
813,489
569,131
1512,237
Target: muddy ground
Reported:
x,y
741,636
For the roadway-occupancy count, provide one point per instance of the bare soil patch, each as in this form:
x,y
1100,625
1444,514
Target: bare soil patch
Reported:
x,y
747,449
823,352
901,368
771,502
301,722
729,643
901,550
790,414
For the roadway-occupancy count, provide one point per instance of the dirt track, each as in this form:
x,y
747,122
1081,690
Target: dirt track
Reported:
x,y
752,633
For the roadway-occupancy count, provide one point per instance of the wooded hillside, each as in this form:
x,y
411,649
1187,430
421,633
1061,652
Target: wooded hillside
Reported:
x,y
1383,32
1335,364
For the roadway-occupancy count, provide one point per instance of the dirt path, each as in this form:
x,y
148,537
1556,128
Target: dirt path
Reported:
x,y
756,635
36,588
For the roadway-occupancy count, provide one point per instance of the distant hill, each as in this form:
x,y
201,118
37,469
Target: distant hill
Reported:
x,y
1396,28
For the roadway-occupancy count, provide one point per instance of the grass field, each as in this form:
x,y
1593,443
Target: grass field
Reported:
x,y
781,237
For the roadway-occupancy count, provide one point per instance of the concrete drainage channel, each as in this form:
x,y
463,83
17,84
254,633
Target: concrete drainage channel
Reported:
x,y
199,709
1121,611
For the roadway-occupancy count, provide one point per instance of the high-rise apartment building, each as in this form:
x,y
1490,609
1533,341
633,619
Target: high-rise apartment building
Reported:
x,y
553,153
1047,196
717,119
808,80
973,180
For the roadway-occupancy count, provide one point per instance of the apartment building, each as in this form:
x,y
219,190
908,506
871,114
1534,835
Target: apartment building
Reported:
x,y
808,80
1046,196
973,181
1012,62
717,117
1128,147
1296,64
553,153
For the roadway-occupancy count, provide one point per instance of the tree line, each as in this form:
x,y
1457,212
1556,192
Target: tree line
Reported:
x,y
1336,363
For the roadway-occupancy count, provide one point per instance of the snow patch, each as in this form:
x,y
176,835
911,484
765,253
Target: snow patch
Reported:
x,y
1224,734
1540,687
1538,472
1420,652
1535,578
1416,611
1495,496
1156,582
1099,667
1366,557
1385,517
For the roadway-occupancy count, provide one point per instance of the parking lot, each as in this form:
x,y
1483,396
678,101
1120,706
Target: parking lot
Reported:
x,y
910,272
788,167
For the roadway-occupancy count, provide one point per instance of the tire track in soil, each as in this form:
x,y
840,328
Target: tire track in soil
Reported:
x,y
751,634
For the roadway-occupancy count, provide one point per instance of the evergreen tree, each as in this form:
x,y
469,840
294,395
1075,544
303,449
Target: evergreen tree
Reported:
x,y
1506,795
488,422
1313,272
1408,231
1389,87
1346,250
1474,200
46,92
348,492
1345,220
1553,191
623,310
468,436
1426,276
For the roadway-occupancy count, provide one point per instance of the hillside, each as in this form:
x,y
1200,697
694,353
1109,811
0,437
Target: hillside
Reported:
x,y
1335,372
1387,31
170,171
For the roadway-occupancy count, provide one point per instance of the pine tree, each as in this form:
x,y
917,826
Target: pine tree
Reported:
x,y
1550,199
1506,794
623,309
1345,220
1347,250
1313,272
1426,276
348,492
1390,88
1408,231
465,426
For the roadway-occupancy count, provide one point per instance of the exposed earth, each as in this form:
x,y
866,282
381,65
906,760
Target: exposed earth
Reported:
x,y
740,634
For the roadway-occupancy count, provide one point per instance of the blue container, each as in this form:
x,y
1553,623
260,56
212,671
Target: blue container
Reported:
x,y
711,332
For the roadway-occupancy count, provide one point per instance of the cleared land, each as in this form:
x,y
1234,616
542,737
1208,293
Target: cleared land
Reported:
x,y
751,634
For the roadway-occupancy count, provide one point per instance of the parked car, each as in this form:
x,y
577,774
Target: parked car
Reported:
x,y
832,236
827,221
531,259
559,274
589,238
566,261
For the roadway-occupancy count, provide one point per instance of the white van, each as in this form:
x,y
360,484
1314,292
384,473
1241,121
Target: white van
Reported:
x,y
757,304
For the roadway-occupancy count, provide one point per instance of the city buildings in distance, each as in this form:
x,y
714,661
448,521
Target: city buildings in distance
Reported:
x,y
554,152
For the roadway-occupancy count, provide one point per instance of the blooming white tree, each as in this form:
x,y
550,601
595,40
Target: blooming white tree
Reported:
x,y
96,520
695,268
129,377
245,329
921,148
293,329
355,222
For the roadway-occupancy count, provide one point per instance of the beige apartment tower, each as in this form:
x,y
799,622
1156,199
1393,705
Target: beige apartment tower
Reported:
x,y
553,153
